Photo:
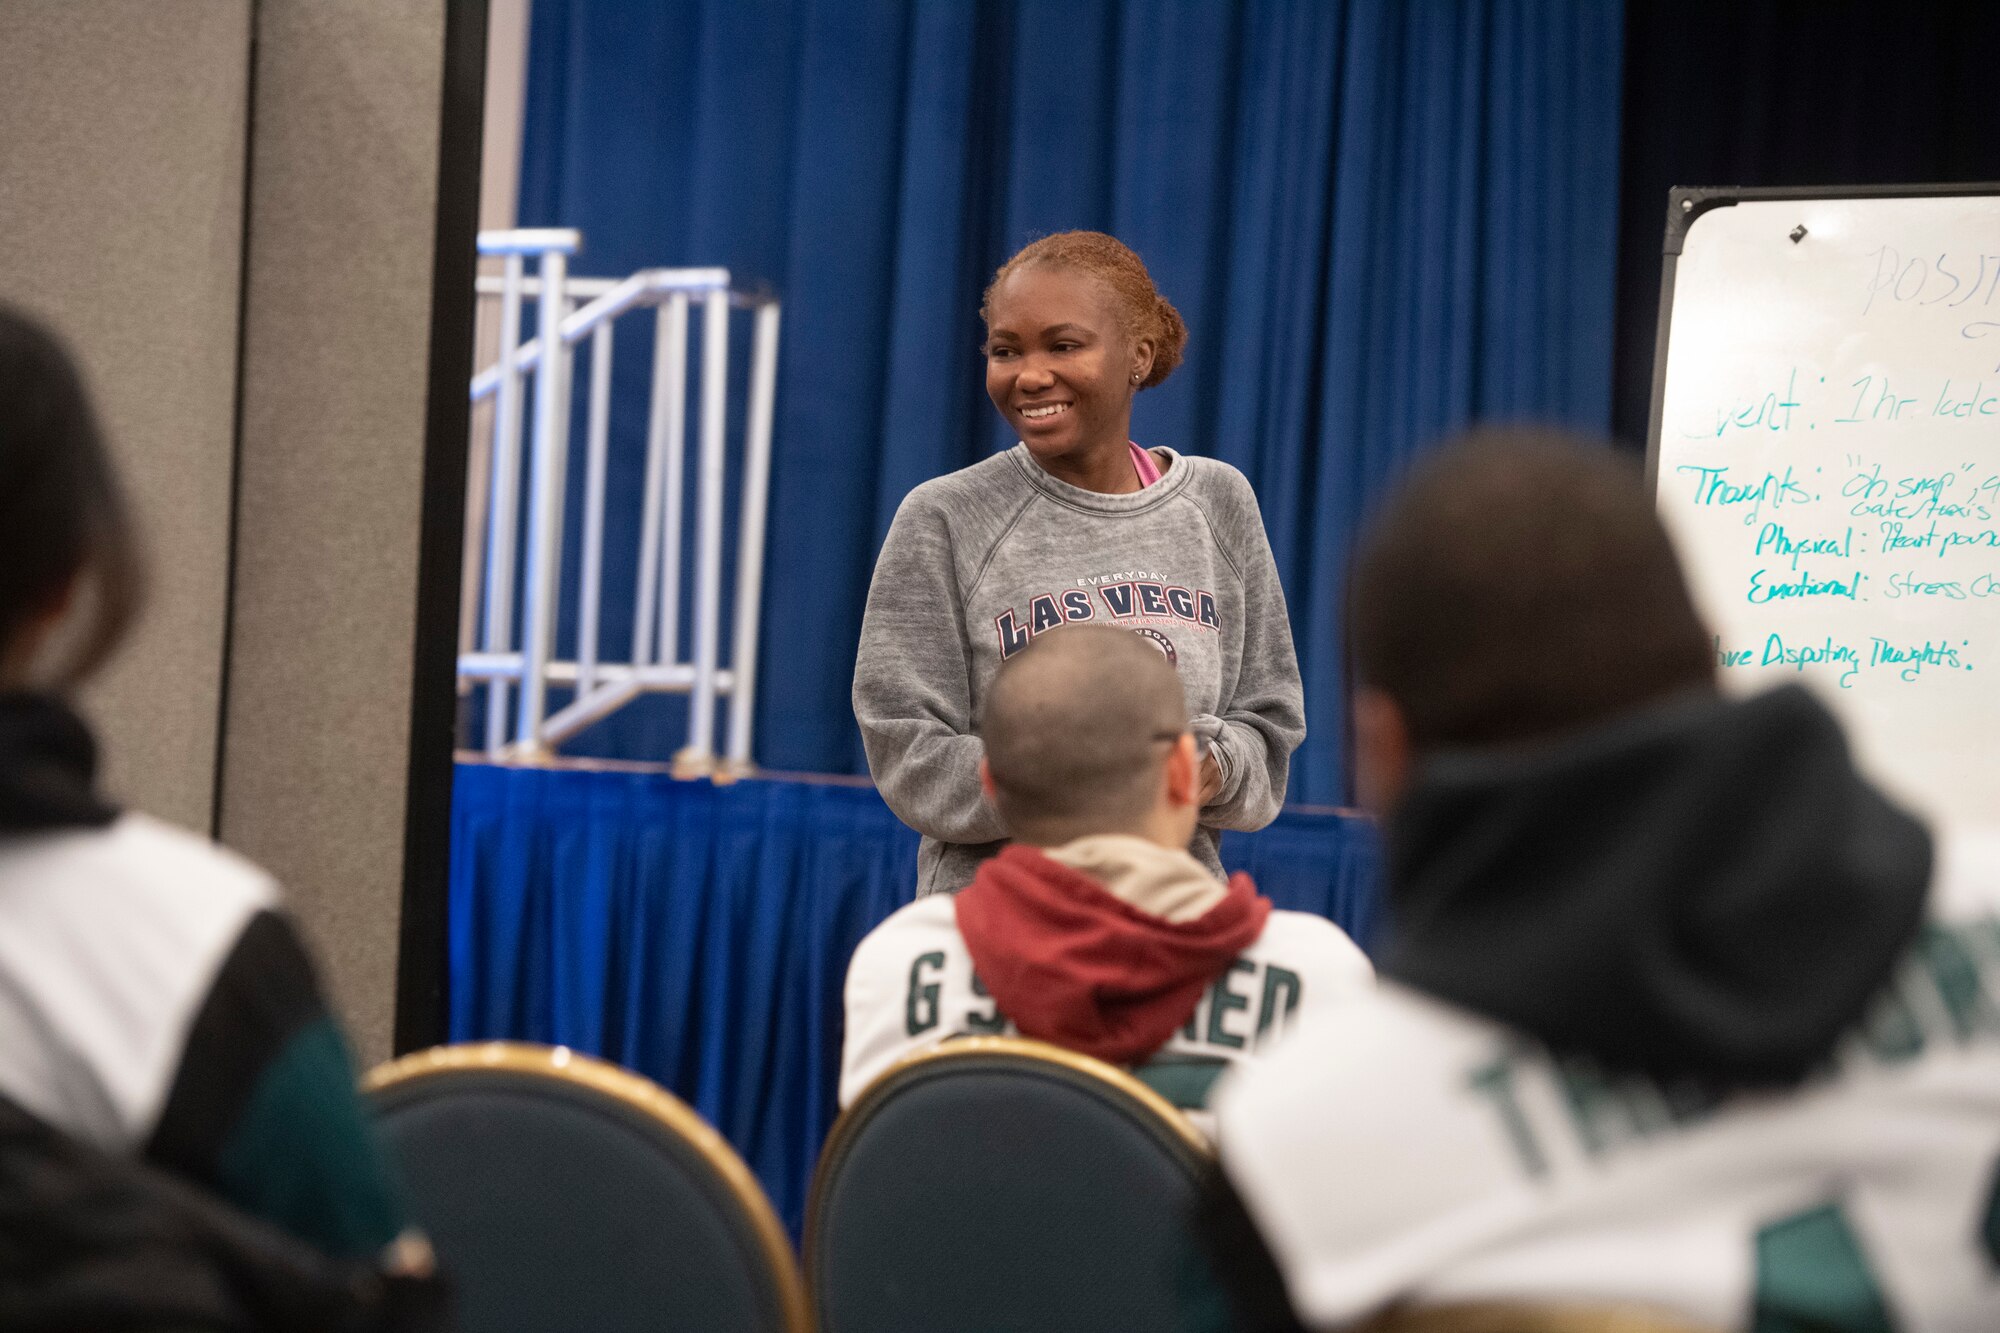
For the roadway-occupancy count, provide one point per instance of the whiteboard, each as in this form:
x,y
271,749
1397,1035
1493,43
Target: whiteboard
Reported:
x,y
1826,454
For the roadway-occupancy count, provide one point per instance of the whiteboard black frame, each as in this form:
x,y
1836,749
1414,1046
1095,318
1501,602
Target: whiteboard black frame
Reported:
x,y
1686,205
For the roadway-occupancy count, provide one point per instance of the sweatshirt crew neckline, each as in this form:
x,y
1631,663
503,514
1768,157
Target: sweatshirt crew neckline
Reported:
x,y
1173,479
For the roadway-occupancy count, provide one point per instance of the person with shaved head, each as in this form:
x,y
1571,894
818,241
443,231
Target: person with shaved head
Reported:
x,y
1096,929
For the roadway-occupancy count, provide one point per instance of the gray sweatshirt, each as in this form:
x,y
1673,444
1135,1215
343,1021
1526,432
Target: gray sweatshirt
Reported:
x,y
979,562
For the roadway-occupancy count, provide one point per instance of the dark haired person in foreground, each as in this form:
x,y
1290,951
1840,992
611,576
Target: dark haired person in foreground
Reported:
x,y
1097,930
154,1003
1678,1010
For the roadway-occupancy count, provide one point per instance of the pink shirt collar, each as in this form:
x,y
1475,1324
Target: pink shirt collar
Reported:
x,y
1143,463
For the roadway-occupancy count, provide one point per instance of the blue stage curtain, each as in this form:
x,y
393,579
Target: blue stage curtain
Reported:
x,y
1382,220
700,934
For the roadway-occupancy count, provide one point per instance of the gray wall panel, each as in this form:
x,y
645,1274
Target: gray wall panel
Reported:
x,y
337,336
121,205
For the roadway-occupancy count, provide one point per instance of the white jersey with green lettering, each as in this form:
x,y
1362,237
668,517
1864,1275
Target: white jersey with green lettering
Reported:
x,y
1403,1148
912,985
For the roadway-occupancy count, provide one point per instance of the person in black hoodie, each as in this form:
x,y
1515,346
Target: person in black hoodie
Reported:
x,y
1678,1010
156,1006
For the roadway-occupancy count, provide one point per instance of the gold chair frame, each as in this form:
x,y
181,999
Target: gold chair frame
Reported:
x,y
645,1098
1507,1317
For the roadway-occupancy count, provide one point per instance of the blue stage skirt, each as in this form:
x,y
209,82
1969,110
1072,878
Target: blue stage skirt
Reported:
x,y
700,934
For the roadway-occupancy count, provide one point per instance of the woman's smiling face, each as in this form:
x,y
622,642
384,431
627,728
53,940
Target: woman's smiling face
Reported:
x,y
1060,366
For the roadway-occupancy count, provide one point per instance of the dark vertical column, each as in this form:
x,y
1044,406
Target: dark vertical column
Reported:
x,y
420,975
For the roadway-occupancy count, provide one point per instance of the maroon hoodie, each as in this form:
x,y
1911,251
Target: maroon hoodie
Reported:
x,y
1071,964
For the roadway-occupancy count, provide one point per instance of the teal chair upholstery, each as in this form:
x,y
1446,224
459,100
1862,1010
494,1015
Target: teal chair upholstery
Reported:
x,y
997,1183
563,1192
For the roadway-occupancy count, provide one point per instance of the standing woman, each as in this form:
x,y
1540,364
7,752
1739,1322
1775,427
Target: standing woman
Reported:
x,y
1075,524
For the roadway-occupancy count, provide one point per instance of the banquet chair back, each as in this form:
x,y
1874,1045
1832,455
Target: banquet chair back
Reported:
x,y
565,1192
994,1182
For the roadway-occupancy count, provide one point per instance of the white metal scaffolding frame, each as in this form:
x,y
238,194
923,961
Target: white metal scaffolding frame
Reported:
x,y
518,676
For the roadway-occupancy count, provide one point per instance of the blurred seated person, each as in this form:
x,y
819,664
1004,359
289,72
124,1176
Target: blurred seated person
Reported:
x,y
1679,1011
1095,930
155,1003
